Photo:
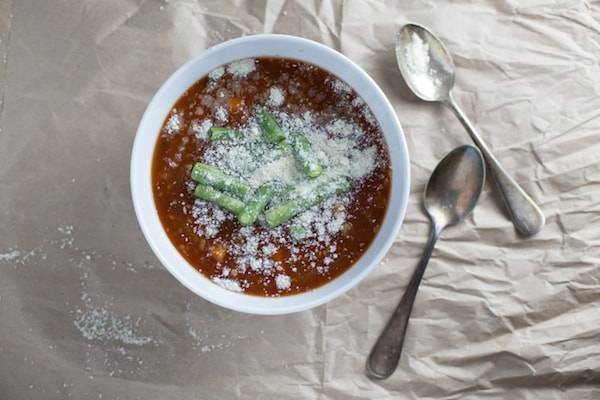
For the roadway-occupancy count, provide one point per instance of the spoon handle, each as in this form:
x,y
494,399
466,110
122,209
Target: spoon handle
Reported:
x,y
385,355
525,214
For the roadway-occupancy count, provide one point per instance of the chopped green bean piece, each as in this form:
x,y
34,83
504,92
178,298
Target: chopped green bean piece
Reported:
x,y
306,157
211,176
224,133
285,211
261,198
271,131
221,199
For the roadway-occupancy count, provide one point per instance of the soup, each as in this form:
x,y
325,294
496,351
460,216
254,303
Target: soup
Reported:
x,y
270,176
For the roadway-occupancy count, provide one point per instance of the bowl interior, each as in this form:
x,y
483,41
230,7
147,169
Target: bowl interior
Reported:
x,y
188,74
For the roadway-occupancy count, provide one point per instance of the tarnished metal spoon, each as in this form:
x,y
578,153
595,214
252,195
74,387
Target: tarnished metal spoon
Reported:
x,y
450,195
427,68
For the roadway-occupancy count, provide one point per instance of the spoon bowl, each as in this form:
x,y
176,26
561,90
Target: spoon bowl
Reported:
x,y
425,63
455,186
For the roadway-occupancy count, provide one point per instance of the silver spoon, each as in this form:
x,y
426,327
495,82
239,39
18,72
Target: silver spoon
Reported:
x,y
450,195
427,68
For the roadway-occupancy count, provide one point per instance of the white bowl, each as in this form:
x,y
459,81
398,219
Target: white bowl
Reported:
x,y
201,65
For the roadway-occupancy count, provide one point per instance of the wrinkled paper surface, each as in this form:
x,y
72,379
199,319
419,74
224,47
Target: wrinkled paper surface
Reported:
x,y
87,311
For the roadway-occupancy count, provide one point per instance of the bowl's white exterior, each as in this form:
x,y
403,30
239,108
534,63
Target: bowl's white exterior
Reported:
x,y
199,66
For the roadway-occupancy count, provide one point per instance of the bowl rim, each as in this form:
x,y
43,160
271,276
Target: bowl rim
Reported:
x,y
218,296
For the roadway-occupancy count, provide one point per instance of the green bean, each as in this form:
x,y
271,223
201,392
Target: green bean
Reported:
x,y
221,199
306,157
224,133
254,207
211,176
282,212
271,131
285,211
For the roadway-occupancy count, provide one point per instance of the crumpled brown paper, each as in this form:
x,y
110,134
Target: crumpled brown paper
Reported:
x,y
87,312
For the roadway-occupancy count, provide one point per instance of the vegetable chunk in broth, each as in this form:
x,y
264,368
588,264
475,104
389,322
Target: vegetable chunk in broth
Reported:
x,y
271,176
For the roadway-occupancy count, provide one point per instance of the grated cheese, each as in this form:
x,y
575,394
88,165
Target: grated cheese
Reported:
x,y
282,169
417,55
241,68
216,73
228,284
208,218
200,129
9,256
221,113
419,62
283,282
97,323
276,97
340,87
174,123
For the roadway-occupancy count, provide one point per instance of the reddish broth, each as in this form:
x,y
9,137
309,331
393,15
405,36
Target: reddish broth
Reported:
x,y
307,88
